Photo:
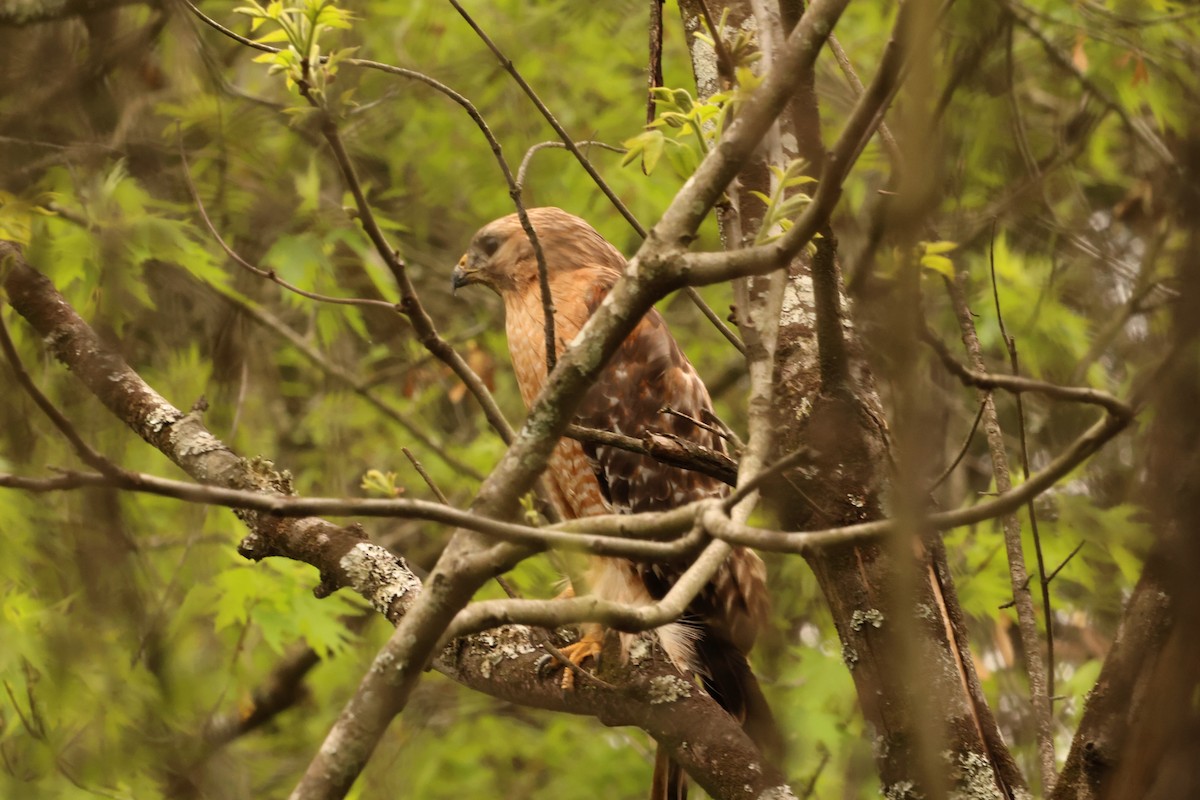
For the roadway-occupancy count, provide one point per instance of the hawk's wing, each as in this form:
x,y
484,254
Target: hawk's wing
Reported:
x,y
650,371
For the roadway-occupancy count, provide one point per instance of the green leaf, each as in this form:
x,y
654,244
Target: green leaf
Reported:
x,y
939,264
937,248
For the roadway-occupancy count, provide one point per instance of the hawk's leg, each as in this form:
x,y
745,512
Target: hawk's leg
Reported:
x,y
589,646
571,657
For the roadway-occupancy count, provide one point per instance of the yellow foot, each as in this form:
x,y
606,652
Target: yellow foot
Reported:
x,y
588,647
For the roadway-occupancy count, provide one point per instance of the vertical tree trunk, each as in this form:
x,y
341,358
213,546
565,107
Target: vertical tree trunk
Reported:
x,y
902,630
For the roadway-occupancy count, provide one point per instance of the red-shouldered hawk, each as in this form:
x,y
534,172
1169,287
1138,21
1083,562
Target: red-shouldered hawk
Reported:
x,y
647,372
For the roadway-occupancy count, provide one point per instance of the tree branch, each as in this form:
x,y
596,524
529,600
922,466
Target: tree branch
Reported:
x,y
1027,625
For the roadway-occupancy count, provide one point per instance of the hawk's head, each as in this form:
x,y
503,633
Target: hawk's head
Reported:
x,y
501,256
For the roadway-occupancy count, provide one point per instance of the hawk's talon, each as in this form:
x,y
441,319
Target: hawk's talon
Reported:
x,y
587,647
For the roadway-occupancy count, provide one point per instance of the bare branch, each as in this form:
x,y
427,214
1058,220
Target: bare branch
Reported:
x,y
966,445
82,449
527,159
664,447
885,133
1019,385
1035,668
804,542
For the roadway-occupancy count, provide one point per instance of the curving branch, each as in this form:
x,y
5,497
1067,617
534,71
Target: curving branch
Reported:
x,y
267,274
356,384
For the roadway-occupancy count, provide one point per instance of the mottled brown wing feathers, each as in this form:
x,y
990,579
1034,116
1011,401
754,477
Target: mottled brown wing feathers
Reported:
x,y
647,372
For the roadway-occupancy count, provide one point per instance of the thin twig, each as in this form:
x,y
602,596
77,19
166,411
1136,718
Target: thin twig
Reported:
x,y
268,274
528,157
420,468
1026,619
410,302
885,133
1011,345
82,449
628,536
811,784
1054,573
665,448
966,445
360,387
715,431
501,581
1017,384
787,462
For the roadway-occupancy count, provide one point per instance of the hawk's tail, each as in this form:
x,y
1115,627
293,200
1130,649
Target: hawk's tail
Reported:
x,y
670,781
730,681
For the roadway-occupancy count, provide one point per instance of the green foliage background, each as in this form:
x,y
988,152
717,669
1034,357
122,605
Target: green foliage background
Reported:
x,y
129,621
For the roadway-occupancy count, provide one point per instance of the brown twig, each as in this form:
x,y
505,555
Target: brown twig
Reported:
x,y
715,431
1054,573
410,303
885,133
654,73
1011,345
666,448
268,274
627,539
533,150
420,468
82,449
1026,619
1018,385
966,445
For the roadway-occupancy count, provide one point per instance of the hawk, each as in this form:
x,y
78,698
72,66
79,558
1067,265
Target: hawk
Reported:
x,y
647,373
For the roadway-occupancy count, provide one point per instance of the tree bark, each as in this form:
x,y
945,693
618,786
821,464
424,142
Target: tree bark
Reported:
x,y
825,400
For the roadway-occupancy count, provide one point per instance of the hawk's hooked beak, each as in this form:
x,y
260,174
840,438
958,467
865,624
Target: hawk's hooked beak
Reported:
x,y
462,276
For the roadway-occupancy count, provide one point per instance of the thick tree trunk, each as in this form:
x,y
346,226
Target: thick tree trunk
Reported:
x,y
902,630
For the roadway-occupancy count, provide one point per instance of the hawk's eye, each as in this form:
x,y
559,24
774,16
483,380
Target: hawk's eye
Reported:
x,y
489,244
